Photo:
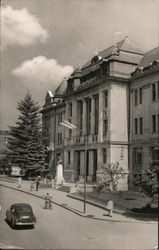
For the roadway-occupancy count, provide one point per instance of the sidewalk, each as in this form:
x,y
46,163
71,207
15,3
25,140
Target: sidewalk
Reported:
x,y
75,205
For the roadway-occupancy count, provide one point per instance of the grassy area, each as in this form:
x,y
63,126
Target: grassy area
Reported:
x,y
123,200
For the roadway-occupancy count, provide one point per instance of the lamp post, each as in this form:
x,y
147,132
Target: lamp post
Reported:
x,y
72,126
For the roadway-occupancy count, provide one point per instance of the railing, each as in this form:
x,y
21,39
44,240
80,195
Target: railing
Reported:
x,y
81,140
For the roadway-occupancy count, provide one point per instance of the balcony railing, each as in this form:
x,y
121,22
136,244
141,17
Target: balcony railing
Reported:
x,y
81,140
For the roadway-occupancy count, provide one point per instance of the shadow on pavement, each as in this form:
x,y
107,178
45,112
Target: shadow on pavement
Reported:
x,y
73,209
18,227
141,216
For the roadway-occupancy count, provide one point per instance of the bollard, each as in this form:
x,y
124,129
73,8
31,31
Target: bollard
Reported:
x,y
109,207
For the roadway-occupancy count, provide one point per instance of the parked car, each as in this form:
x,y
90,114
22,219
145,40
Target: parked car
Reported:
x,y
20,214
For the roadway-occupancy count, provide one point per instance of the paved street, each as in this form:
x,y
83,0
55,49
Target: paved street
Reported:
x,y
62,229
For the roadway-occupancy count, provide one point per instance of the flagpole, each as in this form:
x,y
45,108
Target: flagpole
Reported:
x,y
72,126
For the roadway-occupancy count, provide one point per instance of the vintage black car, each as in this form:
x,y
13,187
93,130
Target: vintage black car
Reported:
x,y
20,214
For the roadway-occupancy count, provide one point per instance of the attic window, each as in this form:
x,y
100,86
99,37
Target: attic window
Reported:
x,y
96,59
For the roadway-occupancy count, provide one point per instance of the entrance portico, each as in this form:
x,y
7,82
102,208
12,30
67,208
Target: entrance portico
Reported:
x,y
91,165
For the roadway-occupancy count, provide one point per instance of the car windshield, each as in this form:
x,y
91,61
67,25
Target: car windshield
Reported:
x,y
23,209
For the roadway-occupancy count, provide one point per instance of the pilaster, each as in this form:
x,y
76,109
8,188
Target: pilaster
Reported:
x,y
92,115
82,163
99,165
74,116
84,115
100,131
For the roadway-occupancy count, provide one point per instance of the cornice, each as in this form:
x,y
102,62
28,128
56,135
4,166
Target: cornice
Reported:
x,y
145,73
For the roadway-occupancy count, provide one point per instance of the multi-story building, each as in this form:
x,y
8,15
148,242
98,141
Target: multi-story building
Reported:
x,y
144,115
96,100
53,113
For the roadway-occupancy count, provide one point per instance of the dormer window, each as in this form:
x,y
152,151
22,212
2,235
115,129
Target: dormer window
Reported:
x,y
49,98
96,59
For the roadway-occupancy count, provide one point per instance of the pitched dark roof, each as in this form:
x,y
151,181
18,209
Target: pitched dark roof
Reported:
x,y
123,45
61,89
149,57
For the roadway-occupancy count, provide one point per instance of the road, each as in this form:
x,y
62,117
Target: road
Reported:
x,y
61,229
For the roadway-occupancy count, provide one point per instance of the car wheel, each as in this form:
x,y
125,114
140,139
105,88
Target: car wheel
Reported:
x,y
12,224
6,218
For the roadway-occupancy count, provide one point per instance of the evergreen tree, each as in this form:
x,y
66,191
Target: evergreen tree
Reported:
x,y
36,151
25,140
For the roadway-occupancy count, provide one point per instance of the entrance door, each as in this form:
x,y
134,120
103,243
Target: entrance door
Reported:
x,y
87,164
77,165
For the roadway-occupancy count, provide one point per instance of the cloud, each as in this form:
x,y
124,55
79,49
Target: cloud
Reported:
x,y
19,27
42,72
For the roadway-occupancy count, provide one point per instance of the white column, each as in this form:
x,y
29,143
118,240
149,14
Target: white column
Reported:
x,y
99,164
91,165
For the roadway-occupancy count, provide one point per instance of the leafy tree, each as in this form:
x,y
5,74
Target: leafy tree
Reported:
x,y
110,177
25,139
151,177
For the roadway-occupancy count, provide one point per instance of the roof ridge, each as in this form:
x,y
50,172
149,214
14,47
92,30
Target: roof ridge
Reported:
x,y
121,41
118,44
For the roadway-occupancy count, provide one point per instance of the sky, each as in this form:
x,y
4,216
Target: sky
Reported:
x,y
42,41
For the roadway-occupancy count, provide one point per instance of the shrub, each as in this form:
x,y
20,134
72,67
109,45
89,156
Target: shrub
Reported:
x,y
110,178
151,178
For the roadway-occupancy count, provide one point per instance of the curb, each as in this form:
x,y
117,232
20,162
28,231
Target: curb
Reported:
x,y
75,212
38,196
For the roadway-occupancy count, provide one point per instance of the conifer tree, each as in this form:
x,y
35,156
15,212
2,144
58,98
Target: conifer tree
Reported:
x,y
25,140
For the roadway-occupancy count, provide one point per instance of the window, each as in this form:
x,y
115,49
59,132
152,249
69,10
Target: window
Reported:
x,y
136,96
96,117
59,138
137,155
153,91
70,109
106,99
140,95
105,126
154,123
140,124
104,155
155,153
69,157
70,133
88,116
80,115
136,125
59,118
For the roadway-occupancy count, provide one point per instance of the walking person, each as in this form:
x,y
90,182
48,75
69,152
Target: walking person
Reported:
x,y
32,185
48,204
19,182
37,183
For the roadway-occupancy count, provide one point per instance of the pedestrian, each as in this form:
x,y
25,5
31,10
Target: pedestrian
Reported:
x,y
32,185
37,184
109,208
48,204
19,182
